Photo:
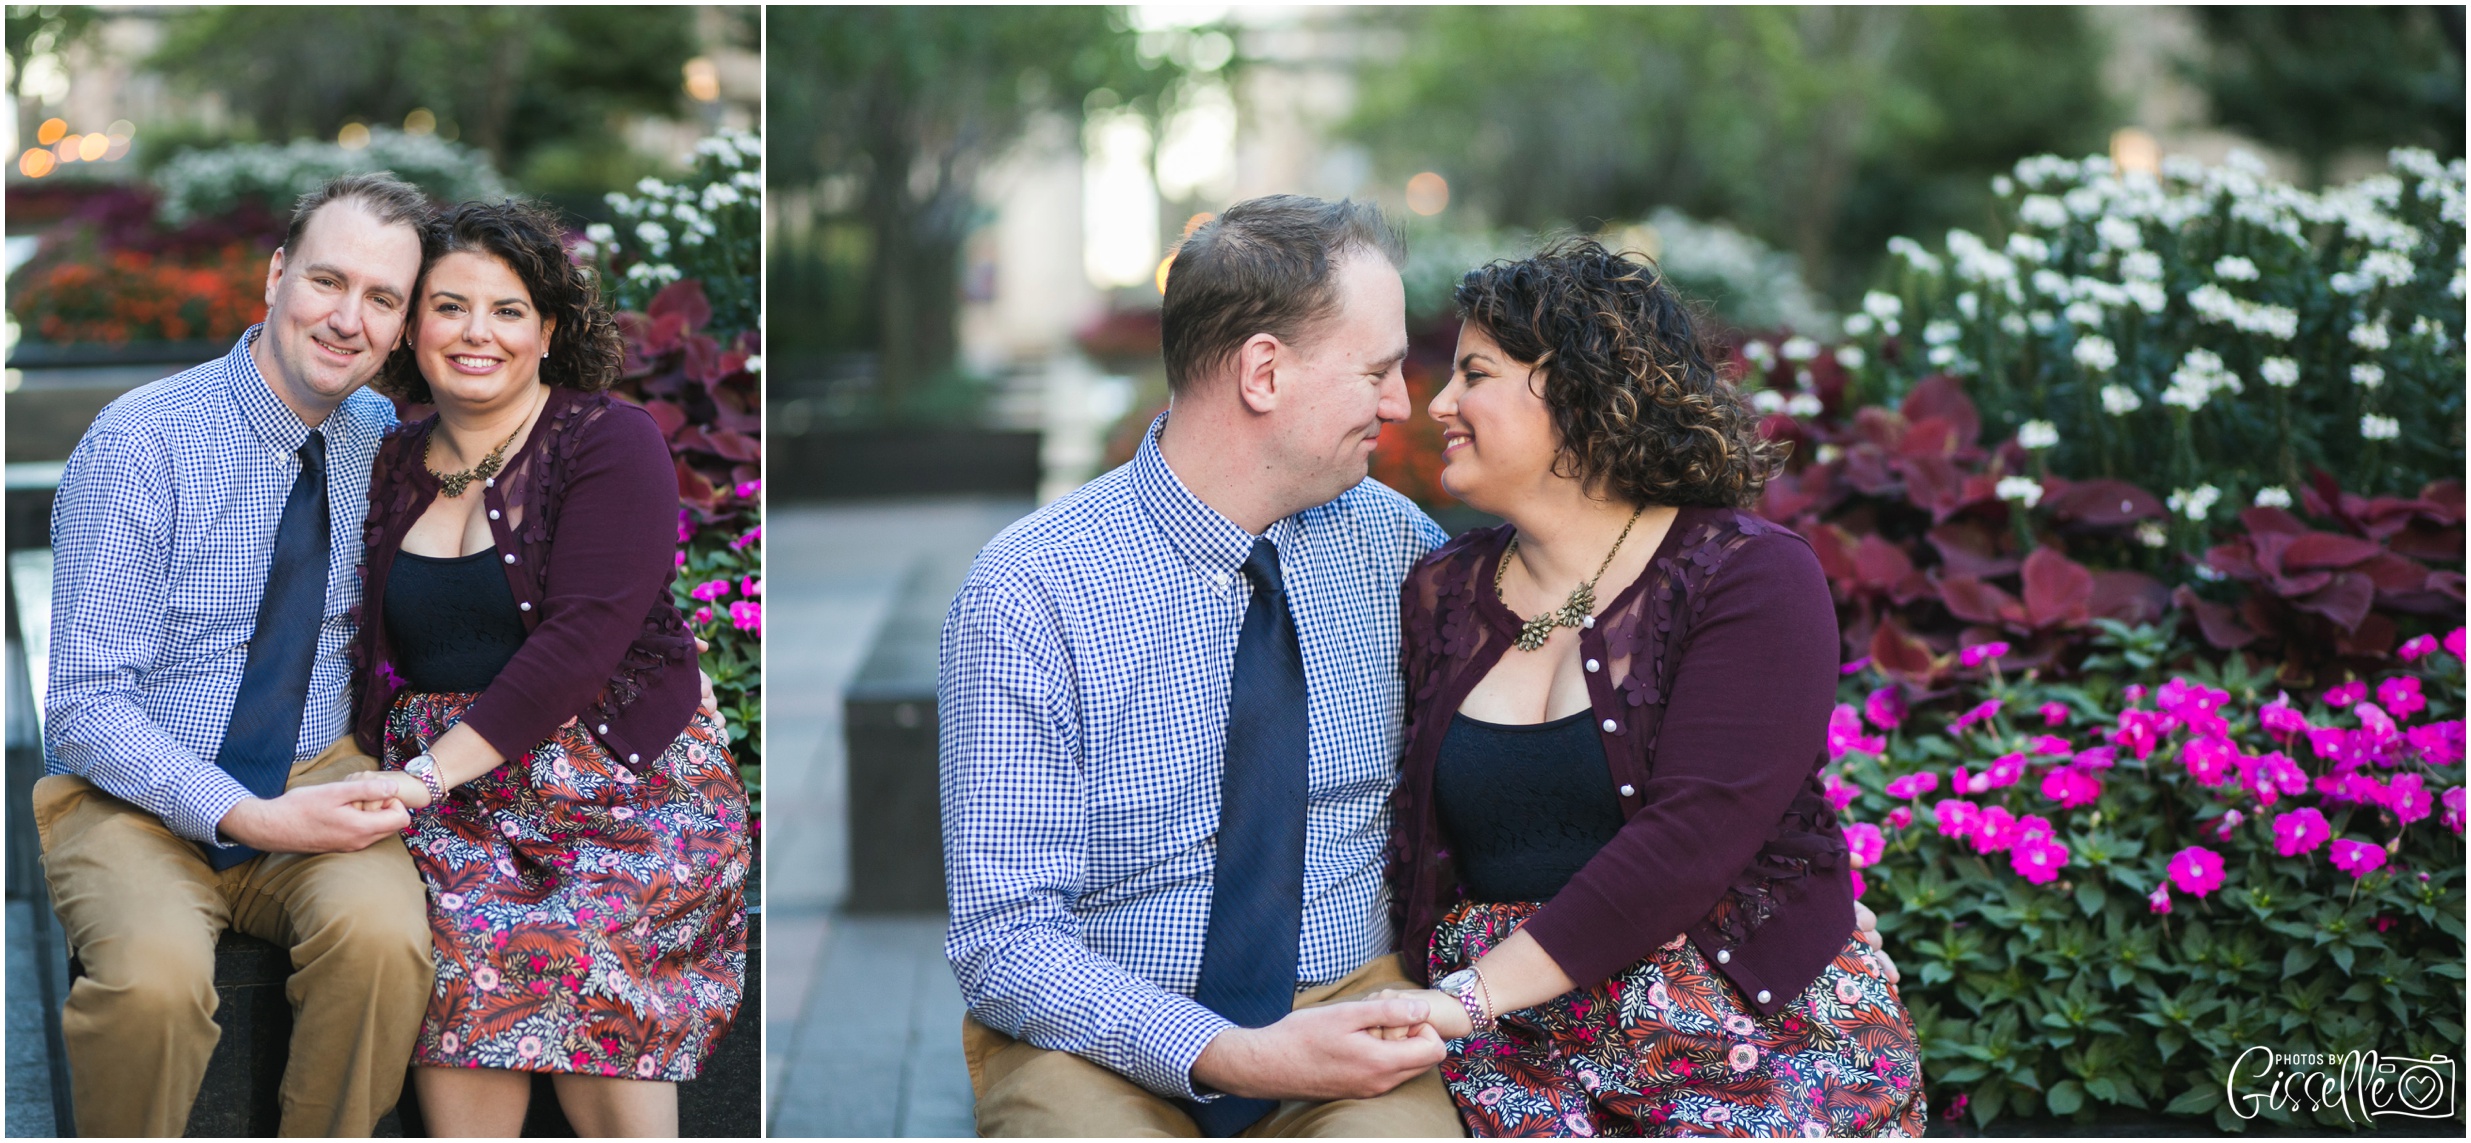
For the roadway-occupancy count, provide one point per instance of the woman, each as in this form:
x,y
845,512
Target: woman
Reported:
x,y
1610,852
534,692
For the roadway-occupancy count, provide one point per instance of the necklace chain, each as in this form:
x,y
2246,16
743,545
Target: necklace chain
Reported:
x,y
1582,601
452,484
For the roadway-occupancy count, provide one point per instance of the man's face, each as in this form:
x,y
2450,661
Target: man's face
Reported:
x,y
335,306
1349,379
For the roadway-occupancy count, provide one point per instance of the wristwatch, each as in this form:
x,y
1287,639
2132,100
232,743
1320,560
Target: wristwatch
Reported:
x,y
1464,986
425,768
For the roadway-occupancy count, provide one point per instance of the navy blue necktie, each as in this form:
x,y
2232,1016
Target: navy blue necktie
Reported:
x,y
264,732
1248,964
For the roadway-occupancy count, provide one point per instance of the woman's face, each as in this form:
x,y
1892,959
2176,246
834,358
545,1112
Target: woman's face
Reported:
x,y
1498,440
479,340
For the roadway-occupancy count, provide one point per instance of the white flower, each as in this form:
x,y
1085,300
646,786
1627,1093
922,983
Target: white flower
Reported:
x,y
2193,503
2119,400
1799,348
1768,401
2096,352
1851,356
2020,488
2378,428
2119,233
1912,252
2368,375
1882,305
2151,534
2348,283
651,187
2027,248
2012,324
2054,283
1941,332
2236,269
2042,211
2199,375
755,363
1969,304
2387,266
2279,372
2086,313
1942,355
601,232
2371,336
1858,325
2003,187
653,234
2037,434
2041,321
2148,296
1803,405
1830,454
1759,353
2141,266
2273,496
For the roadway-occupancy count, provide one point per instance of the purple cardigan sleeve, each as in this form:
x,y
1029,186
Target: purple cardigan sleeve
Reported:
x,y
607,565
1744,727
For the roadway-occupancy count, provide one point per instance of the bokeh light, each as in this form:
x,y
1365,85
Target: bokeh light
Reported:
x,y
1163,265
353,137
1428,193
66,149
51,131
92,147
2134,149
421,121
35,163
703,80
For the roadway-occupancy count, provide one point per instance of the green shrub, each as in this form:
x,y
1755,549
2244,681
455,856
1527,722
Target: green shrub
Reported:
x,y
205,183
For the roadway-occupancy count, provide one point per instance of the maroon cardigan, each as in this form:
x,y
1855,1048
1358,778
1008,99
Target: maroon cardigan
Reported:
x,y
1719,670
588,509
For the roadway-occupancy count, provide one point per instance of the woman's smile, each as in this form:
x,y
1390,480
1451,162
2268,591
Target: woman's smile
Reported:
x,y
475,363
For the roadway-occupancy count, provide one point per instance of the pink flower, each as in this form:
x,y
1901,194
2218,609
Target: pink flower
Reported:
x,y
2033,829
2039,862
1866,844
1858,884
2054,714
2141,731
1964,782
2098,758
2408,799
710,590
2357,858
750,587
2071,787
1885,708
1854,667
1840,793
2453,642
703,615
1981,653
2134,693
1900,817
681,561
748,490
2401,696
2208,760
2159,900
2276,776
752,535
1995,831
2196,870
747,616
1957,817
1845,734
2053,744
2436,743
485,978
2006,770
2347,693
2453,802
2229,824
2415,647
2281,719
1913,786
686,526
1966,720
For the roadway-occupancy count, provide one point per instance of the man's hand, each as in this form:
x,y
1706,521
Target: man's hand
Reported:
x,y
1335,1051
326,818
1866,926
711,701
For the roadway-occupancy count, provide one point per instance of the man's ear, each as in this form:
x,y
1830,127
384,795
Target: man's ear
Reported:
x,y
274,275
1257,380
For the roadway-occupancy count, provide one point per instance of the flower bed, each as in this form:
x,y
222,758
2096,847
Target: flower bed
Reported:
x,y
131,295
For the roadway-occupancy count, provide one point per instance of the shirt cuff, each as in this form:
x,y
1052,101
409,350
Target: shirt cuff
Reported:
x,y
1171,1038
198,815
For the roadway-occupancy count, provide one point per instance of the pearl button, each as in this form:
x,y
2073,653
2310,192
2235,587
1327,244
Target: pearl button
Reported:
x,y
526,605
493,513
604,729
492,482
1629,790
1588,621
1724,956
1608,726
1591,666
510,557
631,759
1763,996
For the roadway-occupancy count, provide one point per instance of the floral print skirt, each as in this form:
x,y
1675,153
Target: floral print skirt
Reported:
x,y
1668,1048
584,916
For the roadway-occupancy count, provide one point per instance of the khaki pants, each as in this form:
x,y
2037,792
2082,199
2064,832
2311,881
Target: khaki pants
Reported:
x,y
1029,1091
142,910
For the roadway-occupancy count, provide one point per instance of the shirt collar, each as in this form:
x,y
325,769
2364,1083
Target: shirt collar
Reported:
x,y
1212,542
273,420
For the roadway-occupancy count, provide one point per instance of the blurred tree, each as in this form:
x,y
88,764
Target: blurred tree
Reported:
x,y
43,29
890,115
2319,81
1820,130
510,81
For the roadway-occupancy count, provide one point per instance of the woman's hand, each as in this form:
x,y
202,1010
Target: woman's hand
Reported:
x,y
1866,926
1446,1017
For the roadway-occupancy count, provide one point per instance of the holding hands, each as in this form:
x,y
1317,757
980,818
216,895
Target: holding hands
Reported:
x,y
1351,1050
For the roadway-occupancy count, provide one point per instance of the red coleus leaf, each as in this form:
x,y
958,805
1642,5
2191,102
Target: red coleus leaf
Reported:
x,y
2058,590
1834,547
1902,657
2103,504
2327,550
684,300
693,488
2220,624
668,415
1974,601
2128,596
1882,566
1968,547
2266,518
1942,398
2345,600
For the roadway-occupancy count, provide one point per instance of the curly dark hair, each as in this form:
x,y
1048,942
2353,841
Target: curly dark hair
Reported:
x,y
1640,408
585,351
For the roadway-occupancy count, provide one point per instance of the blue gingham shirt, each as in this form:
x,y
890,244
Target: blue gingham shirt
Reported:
x,y
161,537
1083,696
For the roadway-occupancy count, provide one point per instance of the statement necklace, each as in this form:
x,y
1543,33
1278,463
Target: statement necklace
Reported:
x,y
452,484
1582,602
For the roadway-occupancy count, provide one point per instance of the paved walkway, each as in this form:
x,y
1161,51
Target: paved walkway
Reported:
x,y
863,1033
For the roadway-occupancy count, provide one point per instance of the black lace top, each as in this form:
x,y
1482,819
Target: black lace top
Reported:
x,y
453,620
1524,806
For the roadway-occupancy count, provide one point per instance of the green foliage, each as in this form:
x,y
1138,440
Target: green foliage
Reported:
x,y
721,553
44,29
2210,328
2077,998
1819,130
707,226
2313,80
208,182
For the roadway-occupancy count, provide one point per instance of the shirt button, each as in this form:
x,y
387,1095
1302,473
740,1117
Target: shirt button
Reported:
x,y
493,513
631,759
1724,956
1220,581
526,605
1629,790
510,557
1763,995
1591,666
604,729
1609,727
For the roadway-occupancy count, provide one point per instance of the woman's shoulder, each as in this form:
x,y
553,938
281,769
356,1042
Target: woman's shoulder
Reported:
x,y
604,420
1456,555
402,445
1736,549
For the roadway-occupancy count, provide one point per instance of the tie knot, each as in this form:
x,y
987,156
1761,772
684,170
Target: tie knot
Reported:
x,y
1261,567
313,450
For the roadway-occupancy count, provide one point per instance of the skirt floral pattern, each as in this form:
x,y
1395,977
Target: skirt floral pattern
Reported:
x,y
584,916
1668,1048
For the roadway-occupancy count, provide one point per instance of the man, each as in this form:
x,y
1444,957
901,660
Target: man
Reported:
x,y
1171,708
206,541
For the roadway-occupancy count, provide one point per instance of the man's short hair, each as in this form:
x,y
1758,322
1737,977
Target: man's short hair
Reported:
x,y
391,199
1263,266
